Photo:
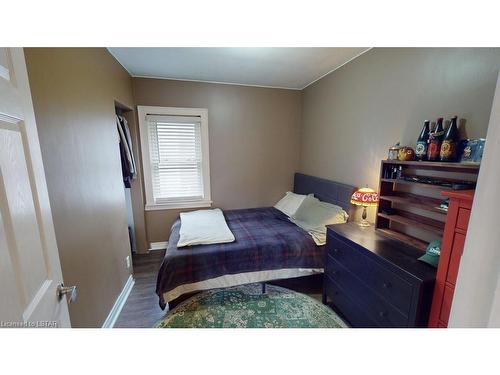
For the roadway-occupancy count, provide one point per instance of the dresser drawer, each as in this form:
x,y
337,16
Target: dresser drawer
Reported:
x,y
376,277
354,314
378,309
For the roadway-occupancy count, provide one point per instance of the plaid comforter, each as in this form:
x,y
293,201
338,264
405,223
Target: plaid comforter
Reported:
x,y
265,240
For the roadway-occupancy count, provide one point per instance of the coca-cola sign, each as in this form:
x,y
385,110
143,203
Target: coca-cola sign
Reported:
x,y
364,197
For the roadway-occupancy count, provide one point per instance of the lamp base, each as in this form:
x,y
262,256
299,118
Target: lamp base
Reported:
x,y
364,223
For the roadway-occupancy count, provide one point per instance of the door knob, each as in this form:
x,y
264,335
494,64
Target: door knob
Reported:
x,y
68,291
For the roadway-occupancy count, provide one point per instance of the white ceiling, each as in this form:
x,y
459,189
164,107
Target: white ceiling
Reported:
x,y
292,68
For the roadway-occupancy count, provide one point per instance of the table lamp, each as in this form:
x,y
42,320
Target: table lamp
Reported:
x,y
365,197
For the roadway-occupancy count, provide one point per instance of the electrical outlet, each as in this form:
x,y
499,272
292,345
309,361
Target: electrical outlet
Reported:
x,y
127,261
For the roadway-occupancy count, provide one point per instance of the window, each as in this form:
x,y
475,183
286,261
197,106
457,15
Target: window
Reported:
x,y
174,145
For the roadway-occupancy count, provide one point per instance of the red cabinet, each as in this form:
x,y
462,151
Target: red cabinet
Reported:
x,y
452,247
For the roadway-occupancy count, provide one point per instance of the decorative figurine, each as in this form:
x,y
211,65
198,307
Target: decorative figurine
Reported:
x,y
393,152
406,153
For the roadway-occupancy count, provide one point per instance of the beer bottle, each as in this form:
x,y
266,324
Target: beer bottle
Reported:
x,y
449,146
422,142
435,139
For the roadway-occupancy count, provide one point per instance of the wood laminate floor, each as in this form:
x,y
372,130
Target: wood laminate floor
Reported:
x,y
142,310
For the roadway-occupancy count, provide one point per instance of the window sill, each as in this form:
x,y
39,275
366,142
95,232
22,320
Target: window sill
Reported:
x,y
177,205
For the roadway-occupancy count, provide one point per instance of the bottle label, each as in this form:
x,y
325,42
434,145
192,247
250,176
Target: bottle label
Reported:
x,y
434,148
447,150
421,149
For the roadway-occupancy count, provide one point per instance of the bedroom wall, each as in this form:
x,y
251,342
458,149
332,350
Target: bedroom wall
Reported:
x,y
73,92
352,116
253,135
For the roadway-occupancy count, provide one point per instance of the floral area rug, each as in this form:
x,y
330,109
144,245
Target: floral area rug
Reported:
x,y
246,307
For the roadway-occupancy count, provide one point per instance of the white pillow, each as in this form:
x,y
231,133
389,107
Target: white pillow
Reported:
x,y
313,216
204,227
290,203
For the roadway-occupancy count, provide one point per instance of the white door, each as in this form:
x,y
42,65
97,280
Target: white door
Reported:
x,y
30,271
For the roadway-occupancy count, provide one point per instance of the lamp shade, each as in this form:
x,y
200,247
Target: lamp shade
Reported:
x,y
364,197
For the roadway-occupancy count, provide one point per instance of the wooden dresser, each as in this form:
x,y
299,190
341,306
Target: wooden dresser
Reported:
x,y
376,281
457,221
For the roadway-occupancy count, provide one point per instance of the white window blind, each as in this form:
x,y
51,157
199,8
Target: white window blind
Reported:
x,y
175,148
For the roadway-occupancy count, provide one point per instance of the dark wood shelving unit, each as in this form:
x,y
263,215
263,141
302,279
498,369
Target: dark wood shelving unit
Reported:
x,y
396,204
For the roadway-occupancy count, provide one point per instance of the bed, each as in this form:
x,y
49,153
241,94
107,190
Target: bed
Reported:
x,y
268,247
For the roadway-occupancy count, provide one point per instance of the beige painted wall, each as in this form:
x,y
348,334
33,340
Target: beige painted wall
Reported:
x,y
254,141
73,95
352,116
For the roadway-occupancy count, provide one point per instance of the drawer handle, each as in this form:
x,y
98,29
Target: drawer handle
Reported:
x,y
382,314
386,285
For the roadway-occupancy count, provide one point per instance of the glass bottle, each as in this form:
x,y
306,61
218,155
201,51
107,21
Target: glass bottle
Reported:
x,y
449,146
435,139
422,142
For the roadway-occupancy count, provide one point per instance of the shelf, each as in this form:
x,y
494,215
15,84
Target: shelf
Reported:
x,y
419,184
416,221
464,167
415,242
414,200
442,179
431,186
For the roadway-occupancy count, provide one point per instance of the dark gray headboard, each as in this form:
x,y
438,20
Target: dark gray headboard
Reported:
x,y
324,190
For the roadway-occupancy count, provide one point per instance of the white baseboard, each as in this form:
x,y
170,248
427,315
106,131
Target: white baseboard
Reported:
x,y
119,303
153,246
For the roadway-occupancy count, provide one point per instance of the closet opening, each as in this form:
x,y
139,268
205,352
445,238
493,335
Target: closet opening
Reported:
x,y
128,144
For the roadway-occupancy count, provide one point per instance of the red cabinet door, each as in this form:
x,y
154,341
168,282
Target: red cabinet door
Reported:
x,y
456,254
446,306
463,218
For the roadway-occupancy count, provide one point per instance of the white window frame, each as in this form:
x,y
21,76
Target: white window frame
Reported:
x,y
142,112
